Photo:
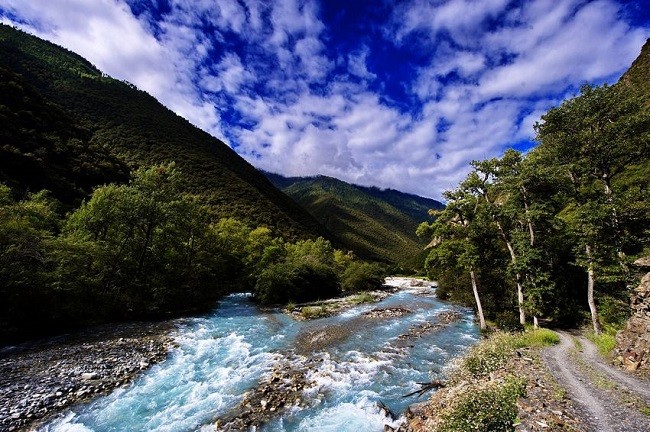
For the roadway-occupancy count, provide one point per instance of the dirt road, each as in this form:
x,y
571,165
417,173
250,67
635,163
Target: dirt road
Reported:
x,y
610,400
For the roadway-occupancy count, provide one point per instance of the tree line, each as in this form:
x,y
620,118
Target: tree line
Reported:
x,y
551,234
148,249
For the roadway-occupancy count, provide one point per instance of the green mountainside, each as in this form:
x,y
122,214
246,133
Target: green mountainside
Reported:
x,y
638,76
377,224
68,128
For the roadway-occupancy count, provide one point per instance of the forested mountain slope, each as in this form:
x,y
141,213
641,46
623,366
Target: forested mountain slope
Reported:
x,y
377,224
68,128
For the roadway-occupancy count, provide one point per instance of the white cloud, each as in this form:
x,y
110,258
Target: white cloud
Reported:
x,y
486,71
108,35
357,64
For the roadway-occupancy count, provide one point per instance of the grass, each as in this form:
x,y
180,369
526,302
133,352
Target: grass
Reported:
x,y
362,298
492,407
540,338
476,401
606,341
311,312
493,353
645,410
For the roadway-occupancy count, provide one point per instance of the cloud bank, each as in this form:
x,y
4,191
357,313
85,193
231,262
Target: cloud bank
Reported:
x,y
393,94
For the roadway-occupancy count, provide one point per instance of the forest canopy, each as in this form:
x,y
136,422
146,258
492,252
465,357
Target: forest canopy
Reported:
x,y
553,232
147,249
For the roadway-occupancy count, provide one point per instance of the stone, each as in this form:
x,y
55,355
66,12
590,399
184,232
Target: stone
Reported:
x,y
633,342
90,375
643,262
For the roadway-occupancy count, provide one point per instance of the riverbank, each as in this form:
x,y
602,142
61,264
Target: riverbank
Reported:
x,y
42,378
502,383
335,306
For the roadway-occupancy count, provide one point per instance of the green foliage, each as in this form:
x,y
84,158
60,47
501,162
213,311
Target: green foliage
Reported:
x,y
25,233
605,342
508,321
311,312
362,276
68,128
306,273
493,353
362,298
376,224
539,338
490,408
576,204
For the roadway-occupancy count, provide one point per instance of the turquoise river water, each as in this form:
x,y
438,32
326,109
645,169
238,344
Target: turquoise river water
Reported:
x,y
222,355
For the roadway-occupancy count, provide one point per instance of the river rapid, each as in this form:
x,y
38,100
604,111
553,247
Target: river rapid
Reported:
x,y
351,361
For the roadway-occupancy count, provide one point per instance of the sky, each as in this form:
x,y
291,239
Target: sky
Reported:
x,y
396,94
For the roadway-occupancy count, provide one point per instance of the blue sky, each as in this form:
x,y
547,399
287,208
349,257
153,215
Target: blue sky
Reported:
x,y
399,94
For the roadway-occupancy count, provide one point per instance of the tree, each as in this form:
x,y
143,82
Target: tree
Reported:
x,y
455,235
156,250
26,228
592,139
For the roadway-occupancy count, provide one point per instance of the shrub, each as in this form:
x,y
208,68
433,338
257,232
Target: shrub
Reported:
x,y
362,298
486,357
361,276
491,408
311,312
508,321
290,282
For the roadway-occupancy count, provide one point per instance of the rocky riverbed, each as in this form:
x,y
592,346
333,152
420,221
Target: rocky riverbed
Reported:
x,y
40,379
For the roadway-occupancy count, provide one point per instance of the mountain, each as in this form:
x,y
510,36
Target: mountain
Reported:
x,y
377,224
67,127
638,75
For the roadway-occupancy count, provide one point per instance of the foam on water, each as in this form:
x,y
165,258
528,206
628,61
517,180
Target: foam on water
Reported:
x,y
223,355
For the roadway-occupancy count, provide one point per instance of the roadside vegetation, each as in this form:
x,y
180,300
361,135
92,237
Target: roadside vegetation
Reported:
x,y
481,392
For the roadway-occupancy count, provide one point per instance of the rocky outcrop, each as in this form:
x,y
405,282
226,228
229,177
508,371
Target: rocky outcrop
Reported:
x,y
633,342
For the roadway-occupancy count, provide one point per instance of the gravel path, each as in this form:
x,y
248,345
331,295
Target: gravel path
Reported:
x,y
609,402
630,382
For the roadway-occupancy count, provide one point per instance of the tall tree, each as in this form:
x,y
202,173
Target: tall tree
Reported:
x,y
455,235
592,139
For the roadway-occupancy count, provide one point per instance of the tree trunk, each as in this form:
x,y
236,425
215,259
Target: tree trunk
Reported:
x,y
477,298
590,292
520,291
531,231
617,231
145,247
520,300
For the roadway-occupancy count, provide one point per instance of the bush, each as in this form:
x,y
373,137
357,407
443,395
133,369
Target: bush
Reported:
x,y
311,312
489,355
362,298
361,276
491,408
287,282
508,321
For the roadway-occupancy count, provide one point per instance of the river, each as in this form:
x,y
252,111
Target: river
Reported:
x,y
355,362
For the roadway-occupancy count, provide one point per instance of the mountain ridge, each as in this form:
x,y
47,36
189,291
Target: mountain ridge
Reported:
x,y
378,224
133,129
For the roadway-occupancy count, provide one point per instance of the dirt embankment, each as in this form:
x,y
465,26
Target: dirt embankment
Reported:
x,y
543,408
568,387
